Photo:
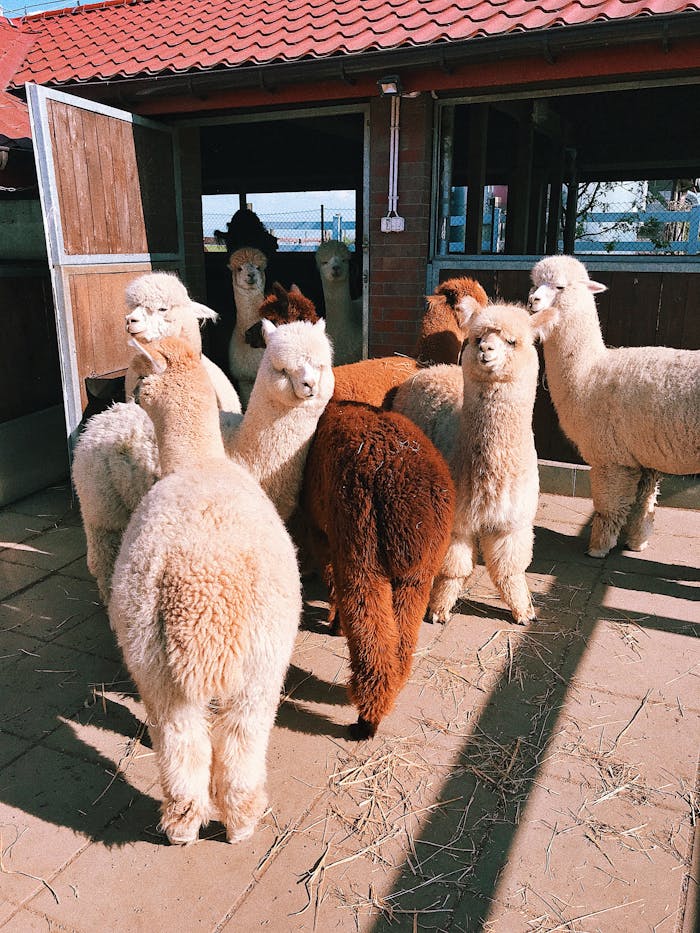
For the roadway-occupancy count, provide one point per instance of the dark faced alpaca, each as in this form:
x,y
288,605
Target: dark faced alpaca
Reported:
x,y
281,307
246,229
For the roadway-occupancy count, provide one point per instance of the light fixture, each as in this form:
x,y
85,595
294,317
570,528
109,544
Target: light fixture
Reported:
x,y
389,86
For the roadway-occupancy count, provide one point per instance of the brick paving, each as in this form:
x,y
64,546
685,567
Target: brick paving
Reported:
x,y
529,779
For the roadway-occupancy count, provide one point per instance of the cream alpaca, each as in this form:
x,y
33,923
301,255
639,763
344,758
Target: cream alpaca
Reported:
x,y
159,306
632,412
484,430
247,267
343,315
116,457
205,604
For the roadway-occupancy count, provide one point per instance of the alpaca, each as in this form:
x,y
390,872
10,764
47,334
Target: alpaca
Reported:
x,y
343,315
159,306
247,267
484,430
293,386
116,458
205,604
281,307
633,412
444,325
378,500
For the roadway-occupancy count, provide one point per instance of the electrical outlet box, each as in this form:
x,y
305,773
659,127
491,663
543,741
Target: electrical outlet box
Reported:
x,y
392,224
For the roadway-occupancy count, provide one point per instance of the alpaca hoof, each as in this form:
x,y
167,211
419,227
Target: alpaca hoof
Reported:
x,y
181,822
525,618
362,729
636,545
597,552
439,615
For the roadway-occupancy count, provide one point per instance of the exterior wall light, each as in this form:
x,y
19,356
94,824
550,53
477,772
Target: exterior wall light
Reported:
x,y
389,86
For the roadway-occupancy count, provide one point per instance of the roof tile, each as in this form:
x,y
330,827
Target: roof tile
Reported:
x,y
126,38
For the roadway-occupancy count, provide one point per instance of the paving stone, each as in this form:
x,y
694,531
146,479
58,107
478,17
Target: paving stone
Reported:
x,y
51,550
16,527
50,607
15,577
52,503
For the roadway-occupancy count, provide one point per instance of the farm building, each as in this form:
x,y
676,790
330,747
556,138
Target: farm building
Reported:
x,y
476,135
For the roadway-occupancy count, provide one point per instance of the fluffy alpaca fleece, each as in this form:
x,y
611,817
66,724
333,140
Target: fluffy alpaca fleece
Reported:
x,y
343,315
159,306
379,501
281,307
247,267
485,432
116,459
373,381
444,325
294,383
632,412
205,605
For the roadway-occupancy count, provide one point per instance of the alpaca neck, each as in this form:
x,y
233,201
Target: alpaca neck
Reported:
x,y
497,422
575,346
336,295
273,441
188,433
247,307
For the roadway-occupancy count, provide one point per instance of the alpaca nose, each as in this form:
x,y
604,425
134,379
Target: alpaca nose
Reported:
x,y
134,322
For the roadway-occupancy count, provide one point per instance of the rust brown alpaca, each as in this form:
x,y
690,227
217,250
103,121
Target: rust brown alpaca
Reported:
x,y
379,502
443,328
281,307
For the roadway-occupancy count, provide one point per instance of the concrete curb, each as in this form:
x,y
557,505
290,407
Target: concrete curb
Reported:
x,y
572,479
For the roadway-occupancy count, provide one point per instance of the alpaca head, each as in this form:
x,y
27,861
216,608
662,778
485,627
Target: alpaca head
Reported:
x,y
247,267
159,306
553,275
297,366
333,261
501,345
165,372
463,295
281,307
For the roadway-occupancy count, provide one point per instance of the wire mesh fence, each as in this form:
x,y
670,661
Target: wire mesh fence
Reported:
x,y
296,231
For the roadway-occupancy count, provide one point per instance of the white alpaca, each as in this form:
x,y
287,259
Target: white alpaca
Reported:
x,y
205,605
159,306
632,412
116,458
247,267
343,315
479,416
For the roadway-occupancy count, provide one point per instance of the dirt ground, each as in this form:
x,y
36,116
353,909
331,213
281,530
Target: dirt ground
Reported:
x,y
529,779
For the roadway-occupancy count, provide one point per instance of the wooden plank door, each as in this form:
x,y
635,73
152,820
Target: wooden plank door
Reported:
x,y
111,197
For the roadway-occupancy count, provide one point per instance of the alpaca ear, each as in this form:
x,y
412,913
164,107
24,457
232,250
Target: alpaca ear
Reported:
x,y
543,322
268,328
596,287
158,365
465,311
203,313
294,289
321,324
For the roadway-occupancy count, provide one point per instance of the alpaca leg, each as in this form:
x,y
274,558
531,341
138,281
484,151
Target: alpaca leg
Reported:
x,y
640,523
240,736
102,550
613,490
366,609
180,736
410,602
507,556
453,576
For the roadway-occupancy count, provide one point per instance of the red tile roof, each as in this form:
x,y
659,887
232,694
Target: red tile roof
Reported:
x,y
117,39
14,116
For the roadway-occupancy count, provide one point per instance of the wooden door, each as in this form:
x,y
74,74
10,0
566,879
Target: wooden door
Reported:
x,y
111,198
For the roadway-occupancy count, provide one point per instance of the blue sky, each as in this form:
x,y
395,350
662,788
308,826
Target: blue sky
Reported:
x,y
12,8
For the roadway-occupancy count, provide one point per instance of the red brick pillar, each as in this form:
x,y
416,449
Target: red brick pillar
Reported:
x,y
398,260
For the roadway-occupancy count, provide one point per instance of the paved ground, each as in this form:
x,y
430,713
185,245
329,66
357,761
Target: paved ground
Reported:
x,y
539,779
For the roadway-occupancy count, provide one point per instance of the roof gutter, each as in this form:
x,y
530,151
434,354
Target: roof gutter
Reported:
x,y
547,44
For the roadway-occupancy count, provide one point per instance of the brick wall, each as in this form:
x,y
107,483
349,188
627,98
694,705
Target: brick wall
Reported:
x,y
398,260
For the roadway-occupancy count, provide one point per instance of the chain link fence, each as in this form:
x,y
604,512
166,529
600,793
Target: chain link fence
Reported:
x,y
296,231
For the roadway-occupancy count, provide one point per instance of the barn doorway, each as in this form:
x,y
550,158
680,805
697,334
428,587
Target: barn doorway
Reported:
x,y
306,174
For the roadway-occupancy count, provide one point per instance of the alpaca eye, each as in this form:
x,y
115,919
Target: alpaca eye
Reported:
x,y
560,288
511,342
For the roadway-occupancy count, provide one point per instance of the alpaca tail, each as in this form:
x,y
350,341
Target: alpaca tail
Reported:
x,y
365,603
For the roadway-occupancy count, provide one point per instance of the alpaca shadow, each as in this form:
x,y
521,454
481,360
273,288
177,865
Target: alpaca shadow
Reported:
x,y
302,687
297,719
